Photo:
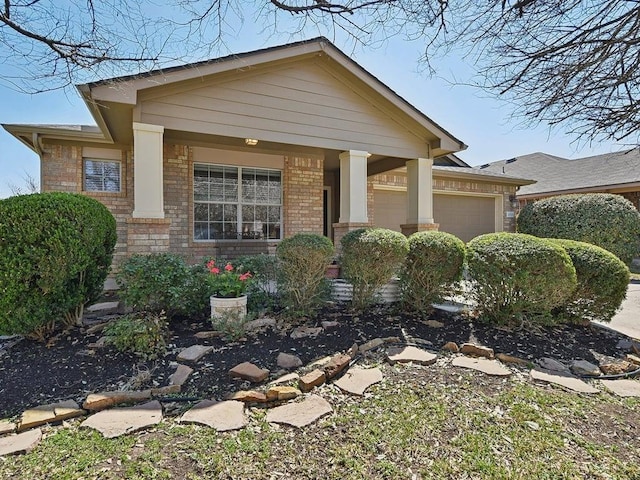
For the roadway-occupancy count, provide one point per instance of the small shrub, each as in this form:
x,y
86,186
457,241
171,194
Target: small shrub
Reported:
x,y
518,277
370,258
142,334
55,254
603,219
262,291
163,282
602,283
301,282
232,324
433,264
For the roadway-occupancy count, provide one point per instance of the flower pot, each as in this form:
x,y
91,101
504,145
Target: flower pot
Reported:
x,y
332,271
221,307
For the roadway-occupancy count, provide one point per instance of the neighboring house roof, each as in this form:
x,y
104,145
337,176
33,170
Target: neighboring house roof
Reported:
x,y
474,173
112,101
560,175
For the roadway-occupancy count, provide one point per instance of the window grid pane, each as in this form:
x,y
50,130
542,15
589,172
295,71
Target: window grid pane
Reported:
x,y
236,203
101,176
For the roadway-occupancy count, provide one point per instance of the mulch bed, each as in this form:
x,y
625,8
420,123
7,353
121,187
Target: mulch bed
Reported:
x,y
33,374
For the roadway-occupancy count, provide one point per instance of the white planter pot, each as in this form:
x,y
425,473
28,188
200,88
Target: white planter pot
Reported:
x,y
228,306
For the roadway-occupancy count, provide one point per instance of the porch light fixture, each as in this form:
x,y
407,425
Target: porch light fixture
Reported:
x,y
252,142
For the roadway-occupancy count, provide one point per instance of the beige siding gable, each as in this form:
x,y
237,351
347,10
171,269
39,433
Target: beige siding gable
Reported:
x,y
300,104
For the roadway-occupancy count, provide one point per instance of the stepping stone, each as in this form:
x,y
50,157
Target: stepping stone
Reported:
x,y
300,414
55,412
120,421
410,354
100,401
357,380
623,388
282,393
289,377
563,379
476,350
288,361
193,353
7,427
484,365
582,367
22,442
223,416
180,375
303,332
249,371
337,363
312,379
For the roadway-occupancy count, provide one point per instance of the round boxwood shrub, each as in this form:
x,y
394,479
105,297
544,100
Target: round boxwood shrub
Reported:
x,y
602,283
370,258
607,220
163,282
433,264
517,277
301,282
55,254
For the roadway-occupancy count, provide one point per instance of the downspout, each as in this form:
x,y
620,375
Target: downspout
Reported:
x,y
37,143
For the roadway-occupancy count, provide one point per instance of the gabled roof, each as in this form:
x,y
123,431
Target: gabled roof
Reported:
x,y
556,174
479,175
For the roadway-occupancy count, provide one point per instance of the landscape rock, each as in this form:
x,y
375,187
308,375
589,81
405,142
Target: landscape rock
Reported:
x,y
484,365
617,368
248,396
633,358
180,375
410,354
329,324
476,350
193,353
320,362
207,334
7,427
357,380
584,368
55,412
20,443
547,363
303,332
370,345
563,379
337,363
623,388
249,371
433,323
300,414
259,324
451,347
100,343
353,351
166,390
288,361
312,379
120,421
222,416
282,393
100,401
504,358
391,340
103,307
289,377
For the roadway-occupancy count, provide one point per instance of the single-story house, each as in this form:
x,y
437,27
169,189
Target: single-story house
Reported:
x,y
617,172
228,156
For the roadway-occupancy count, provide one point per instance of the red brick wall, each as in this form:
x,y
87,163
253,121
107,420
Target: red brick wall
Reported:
x,y
303,179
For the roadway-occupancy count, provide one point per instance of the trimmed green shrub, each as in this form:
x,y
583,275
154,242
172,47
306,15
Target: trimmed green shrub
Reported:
x,y
55,254
517,277
142,334
609,221
262,293
433,264
602,283
163,282
301,282
370,258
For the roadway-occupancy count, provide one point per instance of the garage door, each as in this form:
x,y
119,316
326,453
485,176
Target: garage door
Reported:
x,y
464,216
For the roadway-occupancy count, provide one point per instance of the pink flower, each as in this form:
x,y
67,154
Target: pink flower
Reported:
x,y
215,270
211,264
245,276
228,268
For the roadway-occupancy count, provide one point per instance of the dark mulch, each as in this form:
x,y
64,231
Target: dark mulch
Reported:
x,y
33,374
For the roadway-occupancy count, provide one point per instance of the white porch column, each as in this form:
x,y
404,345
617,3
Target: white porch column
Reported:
x,y
353,187
147,171
419,191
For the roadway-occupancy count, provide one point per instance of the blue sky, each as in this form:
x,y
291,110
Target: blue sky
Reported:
x,y
483,123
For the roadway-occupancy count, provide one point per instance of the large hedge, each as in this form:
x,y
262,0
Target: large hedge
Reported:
x,y
301,281
55,254
434,263
370,258
602,283
517,277
609,221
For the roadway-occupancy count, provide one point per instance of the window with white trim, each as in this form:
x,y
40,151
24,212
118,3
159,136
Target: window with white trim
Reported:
x,y
236,203
101,175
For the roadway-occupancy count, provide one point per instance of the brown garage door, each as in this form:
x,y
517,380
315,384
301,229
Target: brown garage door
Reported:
x,y
464,216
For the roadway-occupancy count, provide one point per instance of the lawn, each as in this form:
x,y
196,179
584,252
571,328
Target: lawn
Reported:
x,y
420,422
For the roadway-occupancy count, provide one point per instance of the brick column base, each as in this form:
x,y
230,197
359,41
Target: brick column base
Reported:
x,y
409,228
147,235
340,229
